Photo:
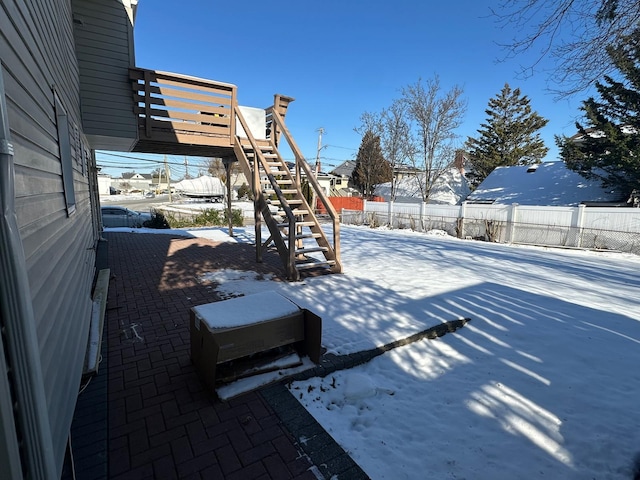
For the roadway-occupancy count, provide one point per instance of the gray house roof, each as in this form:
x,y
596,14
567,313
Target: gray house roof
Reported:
x,y
548,183
345,169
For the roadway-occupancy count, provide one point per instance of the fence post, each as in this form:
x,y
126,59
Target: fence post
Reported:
x,y
461,215
364,211
577,224
511,222
390,213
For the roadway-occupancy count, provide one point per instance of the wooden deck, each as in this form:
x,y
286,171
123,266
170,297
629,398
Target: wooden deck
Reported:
x,y
183,115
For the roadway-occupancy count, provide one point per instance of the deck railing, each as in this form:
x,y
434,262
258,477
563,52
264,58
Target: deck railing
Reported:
x,y
179,108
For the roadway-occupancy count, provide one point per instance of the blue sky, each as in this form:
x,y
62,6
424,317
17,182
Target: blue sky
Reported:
x,y
338,59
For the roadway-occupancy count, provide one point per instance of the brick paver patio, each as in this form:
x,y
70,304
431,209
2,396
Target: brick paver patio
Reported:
x,y
146,414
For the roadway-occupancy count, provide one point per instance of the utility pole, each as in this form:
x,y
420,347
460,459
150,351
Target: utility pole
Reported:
x,y
186,168
168,175
320,132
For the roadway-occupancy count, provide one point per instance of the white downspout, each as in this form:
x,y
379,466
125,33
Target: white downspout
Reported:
x,y
16,314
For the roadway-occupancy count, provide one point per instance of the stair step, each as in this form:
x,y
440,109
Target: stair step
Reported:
x,y
315,264
293,201
298,224
302,236
250,154
284,191
264,147
304,250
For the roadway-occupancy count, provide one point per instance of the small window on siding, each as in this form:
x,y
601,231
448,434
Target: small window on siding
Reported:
x,y
64,142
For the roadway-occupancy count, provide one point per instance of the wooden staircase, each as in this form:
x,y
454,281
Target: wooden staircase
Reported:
x,y
183,115
294,229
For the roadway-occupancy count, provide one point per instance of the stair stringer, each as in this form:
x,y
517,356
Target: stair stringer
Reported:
x,y
261,206
287,235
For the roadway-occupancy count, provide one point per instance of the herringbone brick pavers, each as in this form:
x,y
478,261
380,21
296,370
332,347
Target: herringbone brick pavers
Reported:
x,y
145,415
162,423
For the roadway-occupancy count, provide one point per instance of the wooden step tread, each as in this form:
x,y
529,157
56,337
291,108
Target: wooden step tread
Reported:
x,y
301,251
293,201
315,264
302,236
284,191
298,224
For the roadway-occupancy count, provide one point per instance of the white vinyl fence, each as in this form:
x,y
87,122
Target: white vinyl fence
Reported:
x,y
607,228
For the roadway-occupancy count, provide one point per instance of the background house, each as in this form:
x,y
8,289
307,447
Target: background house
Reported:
x,y
104,184
342,184
132,181
451,188
547,183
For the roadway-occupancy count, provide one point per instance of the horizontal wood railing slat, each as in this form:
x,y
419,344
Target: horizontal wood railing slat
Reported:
x,y
175,137
164,91
189,107
184,127
181,81
195,118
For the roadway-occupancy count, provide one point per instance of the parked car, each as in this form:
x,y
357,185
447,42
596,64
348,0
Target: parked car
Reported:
x,y
114,216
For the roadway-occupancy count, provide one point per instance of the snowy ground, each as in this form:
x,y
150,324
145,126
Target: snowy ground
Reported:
x,y
542,383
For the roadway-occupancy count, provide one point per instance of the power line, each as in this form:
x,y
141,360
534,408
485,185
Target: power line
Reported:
x,y
138,159
343,148
179,167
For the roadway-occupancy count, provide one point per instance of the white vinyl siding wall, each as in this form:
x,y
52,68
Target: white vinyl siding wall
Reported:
x,y
38,56
104,41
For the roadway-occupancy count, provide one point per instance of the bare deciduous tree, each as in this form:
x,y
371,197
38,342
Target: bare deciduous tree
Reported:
x,y
437,115
396,140
215,166
575,33
392,126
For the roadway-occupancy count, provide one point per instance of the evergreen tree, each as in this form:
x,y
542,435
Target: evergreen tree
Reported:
x,y
371,168
509,136
608,146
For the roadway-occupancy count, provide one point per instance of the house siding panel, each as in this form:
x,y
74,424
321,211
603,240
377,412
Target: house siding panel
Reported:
x,y
104,43
38,55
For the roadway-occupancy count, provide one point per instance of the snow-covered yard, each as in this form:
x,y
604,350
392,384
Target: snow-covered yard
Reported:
x,y
543,382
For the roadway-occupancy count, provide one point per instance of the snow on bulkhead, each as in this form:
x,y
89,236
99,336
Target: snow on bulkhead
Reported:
x,y
247,310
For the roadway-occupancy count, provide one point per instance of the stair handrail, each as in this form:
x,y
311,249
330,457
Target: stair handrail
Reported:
x,y
311,178
259,157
